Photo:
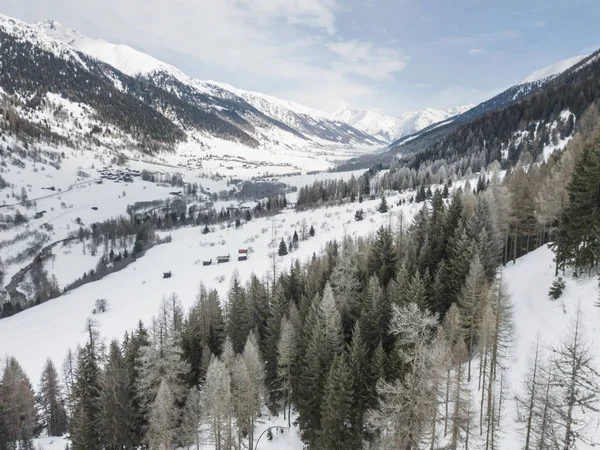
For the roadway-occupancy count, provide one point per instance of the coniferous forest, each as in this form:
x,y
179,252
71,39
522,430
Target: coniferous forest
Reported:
x,y
373,343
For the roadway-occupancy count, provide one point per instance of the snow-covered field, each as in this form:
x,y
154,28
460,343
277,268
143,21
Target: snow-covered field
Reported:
x,y
134,293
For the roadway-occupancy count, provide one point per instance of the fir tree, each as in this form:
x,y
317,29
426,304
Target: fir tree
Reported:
x,y
383,257
52,402
311,231
85,433
117,415
556,290
579,232
239,320
283,250
336,408
383,206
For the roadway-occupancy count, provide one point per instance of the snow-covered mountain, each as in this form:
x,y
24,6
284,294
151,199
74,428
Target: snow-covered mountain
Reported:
x,y
64,86
391,128
552,71
313,124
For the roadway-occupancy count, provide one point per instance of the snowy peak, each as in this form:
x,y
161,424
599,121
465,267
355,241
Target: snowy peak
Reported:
x,y
392,128
200,109
122,57
552,71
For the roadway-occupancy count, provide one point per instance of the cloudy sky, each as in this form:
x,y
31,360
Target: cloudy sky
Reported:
x,y
391,56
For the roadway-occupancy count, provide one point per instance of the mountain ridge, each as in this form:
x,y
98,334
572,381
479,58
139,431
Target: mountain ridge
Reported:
x,y
393,128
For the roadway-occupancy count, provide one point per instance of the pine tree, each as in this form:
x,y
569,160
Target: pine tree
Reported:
x,y
383,256
285,355
383,206
579,232
311,232
364,378
52,402
239,318
17,406
133,362
85,433
556,290
277,308
283,250
336,407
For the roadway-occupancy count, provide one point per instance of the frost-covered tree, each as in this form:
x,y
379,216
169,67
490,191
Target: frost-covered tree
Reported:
x,y
218,404
162,419
192,418
407,405
575,380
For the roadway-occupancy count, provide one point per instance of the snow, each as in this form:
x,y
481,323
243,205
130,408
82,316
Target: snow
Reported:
x,y
135,293
393,128
552,70
254,98
535,314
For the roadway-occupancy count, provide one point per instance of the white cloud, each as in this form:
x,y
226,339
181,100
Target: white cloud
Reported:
x,y
367,60
289,45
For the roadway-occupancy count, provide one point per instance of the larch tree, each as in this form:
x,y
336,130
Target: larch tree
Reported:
x,y
574,378
162,419
406,405
472,302
192,418
218,404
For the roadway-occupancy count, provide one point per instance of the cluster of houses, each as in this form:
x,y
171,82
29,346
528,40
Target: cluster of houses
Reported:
x,y
242,256
119,173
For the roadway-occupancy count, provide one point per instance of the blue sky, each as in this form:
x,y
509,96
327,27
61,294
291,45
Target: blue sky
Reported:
x,y
390,56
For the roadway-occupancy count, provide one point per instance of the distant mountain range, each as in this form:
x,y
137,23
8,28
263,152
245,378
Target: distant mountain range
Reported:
x,y
390,128
64,85
147,102
488,129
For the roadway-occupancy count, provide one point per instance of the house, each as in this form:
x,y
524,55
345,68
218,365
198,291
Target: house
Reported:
x,y
242,254
222,259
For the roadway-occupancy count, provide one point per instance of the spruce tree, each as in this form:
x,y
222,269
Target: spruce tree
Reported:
x,y
556,290
382,256
383,206
336,408
239,318
311,231
283,250
52,402
578,241
17,408
85,432
285,355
